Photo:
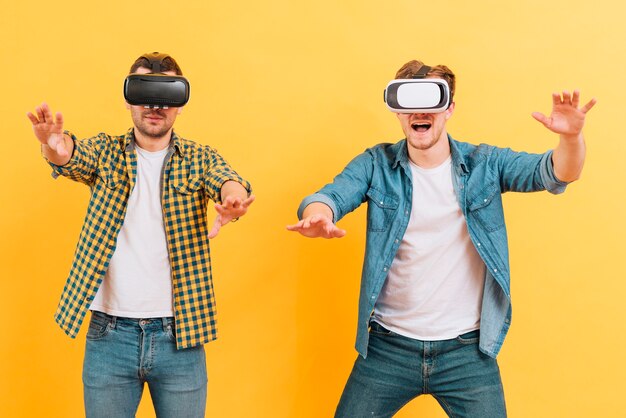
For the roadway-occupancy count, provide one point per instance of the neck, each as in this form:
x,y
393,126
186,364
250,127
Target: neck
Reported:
x,y
152,144
433,156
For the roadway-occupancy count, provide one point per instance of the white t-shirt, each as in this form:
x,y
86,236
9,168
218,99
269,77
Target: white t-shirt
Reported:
x,y
435,284
138,281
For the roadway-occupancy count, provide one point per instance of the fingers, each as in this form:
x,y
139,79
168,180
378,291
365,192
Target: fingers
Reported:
x,y
546,121
573,100
59,122
586,108
234,206
296,226
39,110
314,220
32,118
47,113
216,227
231,202
333,232
248,201
576,98
317,226
564,98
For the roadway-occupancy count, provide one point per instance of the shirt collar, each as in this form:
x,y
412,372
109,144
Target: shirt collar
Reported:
x,y
458,158
175,142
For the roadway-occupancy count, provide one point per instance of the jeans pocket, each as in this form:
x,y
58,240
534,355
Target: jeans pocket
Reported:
x,y
471,337
170,332
98,327
377,329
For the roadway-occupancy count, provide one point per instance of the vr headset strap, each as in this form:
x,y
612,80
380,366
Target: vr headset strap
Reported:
x,y
422,72
156,61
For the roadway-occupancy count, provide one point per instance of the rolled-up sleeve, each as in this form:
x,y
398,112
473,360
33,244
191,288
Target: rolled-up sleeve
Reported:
x,y
321,198
550,181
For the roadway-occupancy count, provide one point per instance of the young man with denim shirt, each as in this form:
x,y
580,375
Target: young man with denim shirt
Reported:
x,y
142,264
435,307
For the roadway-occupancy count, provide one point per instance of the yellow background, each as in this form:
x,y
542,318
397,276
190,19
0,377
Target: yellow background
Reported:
x,y
289,92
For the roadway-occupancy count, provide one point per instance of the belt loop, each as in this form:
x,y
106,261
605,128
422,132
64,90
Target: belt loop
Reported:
x,y
165,323
113,321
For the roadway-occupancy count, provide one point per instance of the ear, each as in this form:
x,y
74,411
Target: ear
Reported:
x,y
450,110
127,105
179,111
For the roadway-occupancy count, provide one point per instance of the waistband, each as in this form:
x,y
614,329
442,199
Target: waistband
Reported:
x,y
166,322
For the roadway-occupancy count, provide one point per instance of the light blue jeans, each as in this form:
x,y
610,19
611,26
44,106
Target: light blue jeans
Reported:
x,y
464,381
123,353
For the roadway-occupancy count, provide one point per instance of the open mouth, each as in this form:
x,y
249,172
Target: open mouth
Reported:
x,y
421,126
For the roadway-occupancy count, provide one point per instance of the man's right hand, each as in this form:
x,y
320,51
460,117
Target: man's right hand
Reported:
x,y
317,226
56,146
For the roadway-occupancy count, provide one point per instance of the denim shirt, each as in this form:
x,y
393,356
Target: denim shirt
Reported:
x,y
381,176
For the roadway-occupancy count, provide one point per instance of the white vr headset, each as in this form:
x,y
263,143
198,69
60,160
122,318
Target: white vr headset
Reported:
x,y
418,94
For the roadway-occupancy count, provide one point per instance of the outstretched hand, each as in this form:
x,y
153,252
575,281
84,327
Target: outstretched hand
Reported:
x,y
566,118
49,131
317,226
231,208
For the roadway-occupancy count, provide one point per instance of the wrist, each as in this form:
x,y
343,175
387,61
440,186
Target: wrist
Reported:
x,y
573,139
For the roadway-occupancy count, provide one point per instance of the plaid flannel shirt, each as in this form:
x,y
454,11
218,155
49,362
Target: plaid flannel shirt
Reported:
x,y
191,175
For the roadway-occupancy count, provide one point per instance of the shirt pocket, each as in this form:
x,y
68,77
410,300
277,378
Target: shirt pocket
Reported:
x,y
107,180
486,208
381,209
189,186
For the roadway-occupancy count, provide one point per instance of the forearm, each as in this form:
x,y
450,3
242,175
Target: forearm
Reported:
x,y
234,189
568,157
317,208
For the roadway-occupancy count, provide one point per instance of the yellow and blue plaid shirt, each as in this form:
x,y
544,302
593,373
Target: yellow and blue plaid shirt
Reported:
x,y
192,175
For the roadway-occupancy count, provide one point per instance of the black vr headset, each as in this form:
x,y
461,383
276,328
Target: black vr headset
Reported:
x,y
418,94
156,89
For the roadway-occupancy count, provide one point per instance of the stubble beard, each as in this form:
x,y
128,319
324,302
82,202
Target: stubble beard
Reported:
x,y
151,133
419,145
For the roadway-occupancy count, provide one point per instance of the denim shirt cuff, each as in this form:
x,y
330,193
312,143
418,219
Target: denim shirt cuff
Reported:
x,y
318,197
550,181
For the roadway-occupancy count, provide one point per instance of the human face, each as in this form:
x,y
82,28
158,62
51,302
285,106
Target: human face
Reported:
x,y
425,130
153,124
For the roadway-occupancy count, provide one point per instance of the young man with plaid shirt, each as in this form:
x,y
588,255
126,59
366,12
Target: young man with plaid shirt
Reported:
x,y
142,264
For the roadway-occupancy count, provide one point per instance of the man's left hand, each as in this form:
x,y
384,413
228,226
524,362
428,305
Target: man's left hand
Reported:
x,y
231,208
566,118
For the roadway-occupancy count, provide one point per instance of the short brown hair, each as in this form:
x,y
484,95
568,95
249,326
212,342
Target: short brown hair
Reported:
x,y
168,64
411,68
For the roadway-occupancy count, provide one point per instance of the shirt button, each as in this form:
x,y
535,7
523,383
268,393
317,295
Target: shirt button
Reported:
x,y
385,269
396,241
495,270
484,200
382,203
406,212
478,244
142,322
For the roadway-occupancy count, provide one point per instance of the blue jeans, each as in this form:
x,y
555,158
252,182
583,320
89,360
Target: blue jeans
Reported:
x,y
123,353
464,381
